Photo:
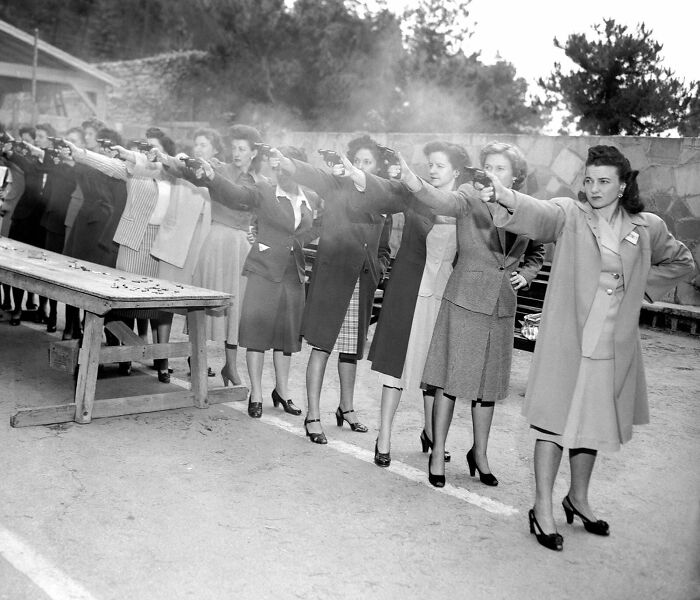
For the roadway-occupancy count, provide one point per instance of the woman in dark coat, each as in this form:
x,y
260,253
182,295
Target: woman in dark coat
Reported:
x,y
471,349
273,303
420,272
345,276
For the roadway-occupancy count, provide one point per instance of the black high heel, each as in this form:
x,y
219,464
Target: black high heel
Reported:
x,y
435,480
381,459
553,541
287,405
486,478
254,409
598,527
427,444
316,438
356,426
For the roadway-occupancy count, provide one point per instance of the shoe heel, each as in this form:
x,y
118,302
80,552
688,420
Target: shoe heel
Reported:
x,y
275,401
224,378
339,417
425,443
569,514
471,463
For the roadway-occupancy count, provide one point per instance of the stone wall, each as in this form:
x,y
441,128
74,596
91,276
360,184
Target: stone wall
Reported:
x,y
669,173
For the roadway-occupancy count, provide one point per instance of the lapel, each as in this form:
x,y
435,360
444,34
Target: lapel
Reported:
x,y
501,233
629,251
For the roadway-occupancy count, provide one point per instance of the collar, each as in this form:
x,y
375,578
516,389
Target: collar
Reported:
x,y
635,219
295,199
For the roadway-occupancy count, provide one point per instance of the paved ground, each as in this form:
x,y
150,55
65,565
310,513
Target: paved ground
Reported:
x,y
210,504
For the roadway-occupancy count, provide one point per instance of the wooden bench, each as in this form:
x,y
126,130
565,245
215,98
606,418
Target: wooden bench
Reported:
x,y
674,317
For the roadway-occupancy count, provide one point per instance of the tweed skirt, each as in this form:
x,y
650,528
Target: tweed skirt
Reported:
x,y
470,353
271,312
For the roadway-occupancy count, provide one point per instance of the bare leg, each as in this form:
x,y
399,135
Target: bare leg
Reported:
x,y
281,362
347,371
255,360
482,416
428,401
391,397
142,329
315,370
230,368
162,335
581,461
547,460
443,409
17,297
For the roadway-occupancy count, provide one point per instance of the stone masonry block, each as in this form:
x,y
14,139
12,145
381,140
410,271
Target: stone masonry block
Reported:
x,y
665,150
688,230
541,152
693,204
687,179
567,165
655,178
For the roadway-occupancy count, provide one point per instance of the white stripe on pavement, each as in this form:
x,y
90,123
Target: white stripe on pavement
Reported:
x,y
56,584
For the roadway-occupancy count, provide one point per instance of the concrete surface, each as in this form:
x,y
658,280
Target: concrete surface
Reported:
x,y
210,504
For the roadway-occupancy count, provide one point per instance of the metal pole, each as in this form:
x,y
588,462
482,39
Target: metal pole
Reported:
x,y
34,65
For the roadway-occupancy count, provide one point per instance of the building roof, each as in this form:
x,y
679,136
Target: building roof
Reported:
x,y
18,48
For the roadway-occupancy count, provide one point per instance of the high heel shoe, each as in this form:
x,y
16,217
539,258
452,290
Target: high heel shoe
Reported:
x,y
435,480
356,426
553,541
287,405
164,376
316,438
598,527
382,459
254,409
226,379
486,478
427,444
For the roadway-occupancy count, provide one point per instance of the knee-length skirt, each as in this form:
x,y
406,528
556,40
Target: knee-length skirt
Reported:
x,y
220,268
470,353
271,312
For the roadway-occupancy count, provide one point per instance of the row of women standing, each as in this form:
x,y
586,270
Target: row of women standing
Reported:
x,y
586,388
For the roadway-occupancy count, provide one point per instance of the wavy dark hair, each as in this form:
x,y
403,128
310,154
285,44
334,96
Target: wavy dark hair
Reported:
x,y
294,152
213,136
165,140
456,154
514,155
368,143
252,136
110,134
609,156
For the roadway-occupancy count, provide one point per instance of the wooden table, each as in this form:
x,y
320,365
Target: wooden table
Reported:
x,y
97,290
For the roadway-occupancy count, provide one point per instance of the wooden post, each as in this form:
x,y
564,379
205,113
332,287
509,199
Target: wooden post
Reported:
x,y
198,361
89,360
35,61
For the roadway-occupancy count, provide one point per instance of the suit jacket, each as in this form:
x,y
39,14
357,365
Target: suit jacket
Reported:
x,y
277,235
652,262
481,278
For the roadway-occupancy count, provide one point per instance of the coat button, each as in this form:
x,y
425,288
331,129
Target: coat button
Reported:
x,y
501,268
608,292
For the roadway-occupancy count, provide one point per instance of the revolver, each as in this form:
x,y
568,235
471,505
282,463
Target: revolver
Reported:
x,y
330,157
192,163
477,176
52,154
141,145
390,158
58,142
263,149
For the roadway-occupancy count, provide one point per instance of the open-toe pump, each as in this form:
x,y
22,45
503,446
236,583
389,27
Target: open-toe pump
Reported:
x,y
356,426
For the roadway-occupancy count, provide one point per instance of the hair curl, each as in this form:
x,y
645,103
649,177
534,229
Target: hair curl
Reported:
x,y
47,127
110,134
165,140
29,130
212,135
609,156
456,154
367,143
294,152
515,157
93,122
252,136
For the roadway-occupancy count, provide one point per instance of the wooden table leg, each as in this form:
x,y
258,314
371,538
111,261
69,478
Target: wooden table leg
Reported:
x,y
89,359
198,362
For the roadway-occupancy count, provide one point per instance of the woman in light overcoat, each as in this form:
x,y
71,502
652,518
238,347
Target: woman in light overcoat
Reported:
x,y
586,388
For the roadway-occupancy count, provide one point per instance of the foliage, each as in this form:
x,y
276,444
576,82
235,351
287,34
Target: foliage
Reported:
x,y
619,86
329,64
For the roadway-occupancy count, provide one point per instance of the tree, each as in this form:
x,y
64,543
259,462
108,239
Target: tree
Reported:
x,y
619,86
